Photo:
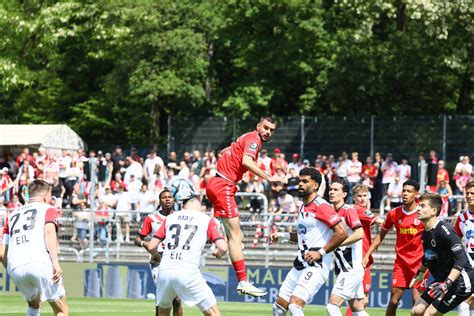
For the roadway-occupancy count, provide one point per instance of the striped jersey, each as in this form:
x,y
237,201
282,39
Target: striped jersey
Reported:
x,y
349,258
314,228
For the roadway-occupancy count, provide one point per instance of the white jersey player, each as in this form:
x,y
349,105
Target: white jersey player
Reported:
x,y
184,235
348,256
319,231
150,226
31,251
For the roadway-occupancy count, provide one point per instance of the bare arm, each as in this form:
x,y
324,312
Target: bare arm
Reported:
x,y
152,246
52,245
249,163
375,244
338,236
357,235
4,257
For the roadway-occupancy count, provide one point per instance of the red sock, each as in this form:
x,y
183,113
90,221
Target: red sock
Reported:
x,y
349,311
239,267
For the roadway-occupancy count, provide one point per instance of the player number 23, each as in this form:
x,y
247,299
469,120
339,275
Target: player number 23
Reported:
x,y
30,221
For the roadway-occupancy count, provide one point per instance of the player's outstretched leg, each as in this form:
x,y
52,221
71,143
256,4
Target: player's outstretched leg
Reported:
x,y
237,257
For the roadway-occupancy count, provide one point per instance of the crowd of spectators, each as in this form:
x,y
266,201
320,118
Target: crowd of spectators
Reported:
x,y
130,183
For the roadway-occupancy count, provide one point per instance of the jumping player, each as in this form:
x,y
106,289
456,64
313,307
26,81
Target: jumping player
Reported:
x,y
319,231
348,256
236,159
367,219
31,251
408,247
150,226
446,260
184,235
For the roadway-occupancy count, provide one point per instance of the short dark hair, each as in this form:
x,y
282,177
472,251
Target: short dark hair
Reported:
x,y
345,186
434,200
164,191
313,173
469,185
268,118
412,183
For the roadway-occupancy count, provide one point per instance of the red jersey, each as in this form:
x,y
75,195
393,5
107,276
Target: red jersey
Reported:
x,y
230,163
409,228
367,219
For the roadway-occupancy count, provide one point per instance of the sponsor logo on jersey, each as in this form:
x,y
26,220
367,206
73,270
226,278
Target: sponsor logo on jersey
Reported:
x,y
470,233
369,213
433,242
416,222
301,229
408,231
253,146
430,255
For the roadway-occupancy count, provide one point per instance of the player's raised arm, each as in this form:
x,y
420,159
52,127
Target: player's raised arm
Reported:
x,y
375,245
152,245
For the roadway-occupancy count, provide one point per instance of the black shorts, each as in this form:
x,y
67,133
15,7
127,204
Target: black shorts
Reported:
x,y
455,295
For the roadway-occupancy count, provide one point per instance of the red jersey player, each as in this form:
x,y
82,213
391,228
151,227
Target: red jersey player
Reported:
x,y
241,156
408,247
150,226
367,219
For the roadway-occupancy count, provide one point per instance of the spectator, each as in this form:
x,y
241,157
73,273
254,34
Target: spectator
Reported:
x,y
256,202
14,203
109,198
354,169
135,168
443,174
444,190
461,179
389,169
278,162
58,191
394,194
102,227
134,187
183,170
286,207
265,162
118,159
117,182
152,163
51,169
197,163
293,182
173,161
146,202
64,163
122,214
404,170
82,225
6,185
296,163
3,212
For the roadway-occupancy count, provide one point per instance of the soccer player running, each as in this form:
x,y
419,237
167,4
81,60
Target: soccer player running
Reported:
x,y
184,235
150,226
367,219
464,227
241,156
348,256
446,260
31,251
320,230
408,247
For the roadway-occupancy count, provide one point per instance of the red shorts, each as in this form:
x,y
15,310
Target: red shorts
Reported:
x,y
367,280
402,277
221,193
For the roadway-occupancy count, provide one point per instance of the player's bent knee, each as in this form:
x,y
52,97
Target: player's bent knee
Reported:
x,y
212,311
278,310
418,310
295,310
333,310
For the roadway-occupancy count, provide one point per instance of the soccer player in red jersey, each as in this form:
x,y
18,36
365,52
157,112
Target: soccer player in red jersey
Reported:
x,y
241,156
367,219
408,247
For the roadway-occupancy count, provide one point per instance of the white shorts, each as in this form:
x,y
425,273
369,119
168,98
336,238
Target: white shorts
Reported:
x,y
154,268
303,283
35,279
348,285
189,285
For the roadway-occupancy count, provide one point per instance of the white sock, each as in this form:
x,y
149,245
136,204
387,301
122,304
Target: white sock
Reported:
x,y
296,310
463,309
278,310
32,312
334,310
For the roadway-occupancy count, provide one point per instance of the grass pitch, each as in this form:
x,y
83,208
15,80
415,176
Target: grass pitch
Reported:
x,y
15,306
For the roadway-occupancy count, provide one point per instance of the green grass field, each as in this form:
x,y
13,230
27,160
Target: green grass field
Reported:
x,y
15,306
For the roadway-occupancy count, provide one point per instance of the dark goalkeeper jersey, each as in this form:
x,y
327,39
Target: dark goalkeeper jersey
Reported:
x,y
443,251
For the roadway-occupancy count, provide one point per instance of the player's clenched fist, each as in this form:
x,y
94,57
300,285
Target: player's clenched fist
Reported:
x,y
312,256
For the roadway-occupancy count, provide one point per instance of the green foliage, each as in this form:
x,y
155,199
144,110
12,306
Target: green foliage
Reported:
x,y
114,70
